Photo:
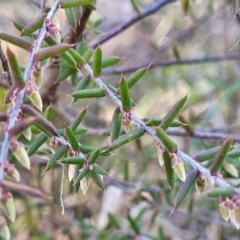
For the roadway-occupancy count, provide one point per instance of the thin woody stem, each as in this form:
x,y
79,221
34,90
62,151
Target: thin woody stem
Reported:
x,y
13,115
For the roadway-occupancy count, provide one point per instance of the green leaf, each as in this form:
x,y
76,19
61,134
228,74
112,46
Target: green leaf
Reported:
x,y
220,156
168,169
73,160
185,188
133,224
154,122
15,69
88,54
116,124
74,3
71,138
137,76
97,179
89,93
174,111
81,175
65,73
125,96
33,25
99,170
86,149
135,6
93,156
36,144
125,138
221,192
49,113
77,57
97,62
20,42
78,119
71,17
185,5
206,154
167,142
108,62
54,159
67,57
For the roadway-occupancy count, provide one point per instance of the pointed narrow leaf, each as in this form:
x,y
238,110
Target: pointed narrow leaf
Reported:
x,y
65,73
71,17
36,144
108,62
168,169
71,138
67,57
97,179
56,157
89,93
52,51
73,160
221,192
74,3
137,76
125,138
33,25
220,156
99,170
15,69
186,125
167,142
206,154
97,62
185,5
125,96
78,119
81,175
77,57
49,113
151,122
174,111
185,188
133,224
20,42
18,26
93,156
88,54
86,149
116,124
135,6
91,6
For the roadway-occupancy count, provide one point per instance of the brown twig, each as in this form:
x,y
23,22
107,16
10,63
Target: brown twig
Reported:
x,y
144,13
24,189
203,134
5,69
205,59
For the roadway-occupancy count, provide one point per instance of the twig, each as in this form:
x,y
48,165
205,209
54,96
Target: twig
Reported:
x,y
205,59
5,68
218,181
24,189
19,99
146,12
203,134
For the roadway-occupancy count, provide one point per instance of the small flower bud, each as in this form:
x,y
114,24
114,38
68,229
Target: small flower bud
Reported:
x,y
8,205
224,208
53,144
10,172
20,153
178,167
71,172
160,157
201,183
36,99
84,183
4,230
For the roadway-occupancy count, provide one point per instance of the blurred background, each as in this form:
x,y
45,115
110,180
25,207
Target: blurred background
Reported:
x,y
137,201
